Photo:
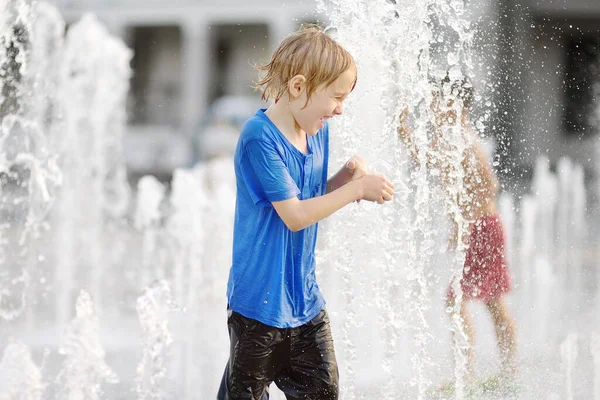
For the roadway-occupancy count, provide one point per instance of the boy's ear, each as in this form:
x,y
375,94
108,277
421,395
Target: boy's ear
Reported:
x,y
296,86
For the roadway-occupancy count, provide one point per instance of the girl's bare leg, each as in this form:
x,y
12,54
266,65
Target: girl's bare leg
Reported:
x,y
469,353
506,336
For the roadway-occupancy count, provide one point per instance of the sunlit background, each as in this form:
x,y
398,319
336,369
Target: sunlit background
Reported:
x,y
192,71
119,120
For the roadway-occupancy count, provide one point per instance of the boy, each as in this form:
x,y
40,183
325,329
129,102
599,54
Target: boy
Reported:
x,y
279,331
485,273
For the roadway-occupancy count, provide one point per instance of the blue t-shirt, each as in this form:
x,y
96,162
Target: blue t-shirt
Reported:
x,y
272,277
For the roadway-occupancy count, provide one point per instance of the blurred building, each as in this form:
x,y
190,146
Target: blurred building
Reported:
x,y
187,55
541,68
548,74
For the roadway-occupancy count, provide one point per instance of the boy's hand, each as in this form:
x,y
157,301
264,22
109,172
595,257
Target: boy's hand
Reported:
x,y
376,188
358,167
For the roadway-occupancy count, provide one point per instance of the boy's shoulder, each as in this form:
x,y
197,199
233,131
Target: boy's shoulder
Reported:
x,y
256,126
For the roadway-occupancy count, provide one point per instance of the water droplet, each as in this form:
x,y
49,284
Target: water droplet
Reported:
x,y
452,58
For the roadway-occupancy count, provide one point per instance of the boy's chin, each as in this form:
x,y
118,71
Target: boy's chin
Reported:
x,y
312,131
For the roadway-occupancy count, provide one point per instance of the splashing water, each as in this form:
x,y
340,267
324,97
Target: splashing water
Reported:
x,y
382,268
569,351
596,358
147,220
21,377
392,43
153,309
186,229
27,162
84,369
93,88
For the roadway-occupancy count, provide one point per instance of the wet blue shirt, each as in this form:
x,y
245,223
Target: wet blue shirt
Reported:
x,y
272,277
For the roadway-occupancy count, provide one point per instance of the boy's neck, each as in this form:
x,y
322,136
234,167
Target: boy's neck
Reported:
x,y
280,114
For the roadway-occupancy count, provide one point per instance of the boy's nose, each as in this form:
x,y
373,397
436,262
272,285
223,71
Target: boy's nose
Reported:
x,y
339,110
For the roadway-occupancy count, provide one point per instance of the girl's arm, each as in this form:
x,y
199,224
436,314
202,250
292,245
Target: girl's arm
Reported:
x,y
405,134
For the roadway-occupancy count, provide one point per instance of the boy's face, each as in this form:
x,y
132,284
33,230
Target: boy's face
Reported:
x,y
324,103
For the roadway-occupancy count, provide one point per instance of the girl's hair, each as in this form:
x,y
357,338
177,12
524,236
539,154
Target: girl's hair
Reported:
x,y
311,52
460,88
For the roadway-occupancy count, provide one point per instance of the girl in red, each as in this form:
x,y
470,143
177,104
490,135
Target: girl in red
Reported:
x,y
485,273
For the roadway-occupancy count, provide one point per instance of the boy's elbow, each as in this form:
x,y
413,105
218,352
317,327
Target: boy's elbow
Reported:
x,y
293,216
295,228
294,225
293,222
297,223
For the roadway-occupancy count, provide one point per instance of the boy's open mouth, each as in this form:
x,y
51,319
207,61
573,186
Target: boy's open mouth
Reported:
x,y
322,120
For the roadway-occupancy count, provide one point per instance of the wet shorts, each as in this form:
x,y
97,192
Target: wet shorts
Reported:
x,y
301,361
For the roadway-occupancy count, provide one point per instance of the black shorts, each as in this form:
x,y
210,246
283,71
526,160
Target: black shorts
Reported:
x,y
301,361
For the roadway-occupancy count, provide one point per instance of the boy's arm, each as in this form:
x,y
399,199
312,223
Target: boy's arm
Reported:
x,y
268,180
299,214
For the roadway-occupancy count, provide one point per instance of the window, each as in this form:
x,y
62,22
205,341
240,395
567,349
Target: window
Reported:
x,y
156,82
582,76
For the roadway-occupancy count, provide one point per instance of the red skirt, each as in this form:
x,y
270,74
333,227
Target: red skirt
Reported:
x,y
485,274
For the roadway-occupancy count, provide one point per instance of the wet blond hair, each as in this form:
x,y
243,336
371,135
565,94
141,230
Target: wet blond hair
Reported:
x,y
310,52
